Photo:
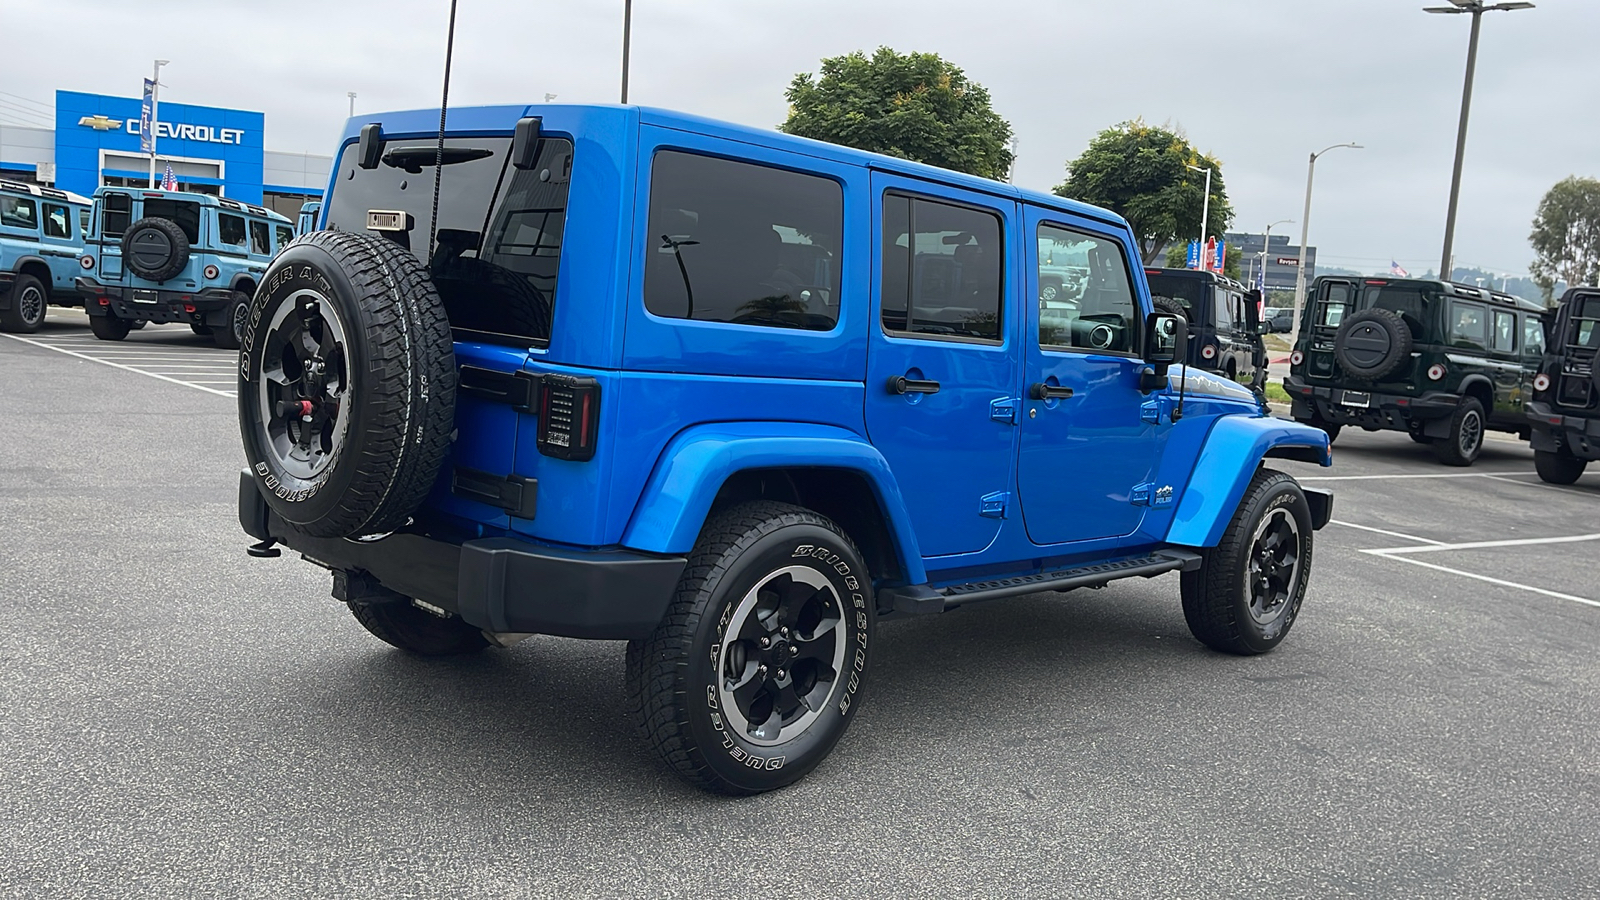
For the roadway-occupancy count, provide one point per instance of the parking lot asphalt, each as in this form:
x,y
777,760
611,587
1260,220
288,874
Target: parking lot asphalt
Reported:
x,y
178,719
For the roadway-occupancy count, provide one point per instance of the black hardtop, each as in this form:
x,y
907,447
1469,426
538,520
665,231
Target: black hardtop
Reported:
x,y
1209,277
1449,288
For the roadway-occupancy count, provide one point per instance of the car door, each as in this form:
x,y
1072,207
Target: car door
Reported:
x,y
1088,452
941,366
1505,363
60,245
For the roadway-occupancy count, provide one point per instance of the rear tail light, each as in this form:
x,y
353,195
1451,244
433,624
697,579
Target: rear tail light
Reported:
x,y
211,273
1541,382
569,416
1209,351
1296,358
1436,372
86,261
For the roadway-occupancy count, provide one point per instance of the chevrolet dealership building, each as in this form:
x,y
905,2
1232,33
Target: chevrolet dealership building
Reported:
x,y
215,151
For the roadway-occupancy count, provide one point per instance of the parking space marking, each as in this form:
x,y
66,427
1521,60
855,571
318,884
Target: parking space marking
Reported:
x,y
1385,477
1503,583
117,365
1481,545
1409,537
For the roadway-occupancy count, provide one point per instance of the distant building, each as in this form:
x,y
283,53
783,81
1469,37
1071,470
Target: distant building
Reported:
x,y
1282,259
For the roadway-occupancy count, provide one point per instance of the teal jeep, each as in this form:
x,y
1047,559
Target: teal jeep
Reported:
x,y
41,237
171,256
1440,361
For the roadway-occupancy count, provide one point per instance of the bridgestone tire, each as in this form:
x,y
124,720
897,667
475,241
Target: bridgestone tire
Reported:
x,y
675,677
108,327
1465,440
1217,598
1558,468
1372,343
28,301
417,631
231,334
386,396
155,249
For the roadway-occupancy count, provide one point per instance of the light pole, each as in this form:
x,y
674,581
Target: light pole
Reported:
x,y
627,37
1205,212
1266,245
352,96
155,104
1305,232
1477,8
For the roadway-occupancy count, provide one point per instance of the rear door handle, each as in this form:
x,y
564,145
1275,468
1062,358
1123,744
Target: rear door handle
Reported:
x,y
1042,391
900,384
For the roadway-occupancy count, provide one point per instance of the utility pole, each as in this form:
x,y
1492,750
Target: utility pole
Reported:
x,y
627,38
155,105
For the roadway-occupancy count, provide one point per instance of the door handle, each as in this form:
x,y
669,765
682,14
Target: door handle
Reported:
x,y
1042,391
900,384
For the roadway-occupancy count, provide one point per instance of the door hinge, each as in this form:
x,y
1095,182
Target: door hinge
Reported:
x,y
1004,409
993,506
1148,494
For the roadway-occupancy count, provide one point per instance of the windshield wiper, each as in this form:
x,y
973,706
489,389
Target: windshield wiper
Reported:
x,y
412,159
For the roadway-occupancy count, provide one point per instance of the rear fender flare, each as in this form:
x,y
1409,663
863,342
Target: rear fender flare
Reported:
x,y
696,463
1234,449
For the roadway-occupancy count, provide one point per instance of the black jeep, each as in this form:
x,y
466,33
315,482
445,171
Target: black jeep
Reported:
x,y
1565,409
1224,321
1438,360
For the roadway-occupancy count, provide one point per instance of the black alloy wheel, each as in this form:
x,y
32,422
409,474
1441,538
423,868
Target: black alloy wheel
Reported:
x,y
28,302
303,386
237,314
1465,439
1274,563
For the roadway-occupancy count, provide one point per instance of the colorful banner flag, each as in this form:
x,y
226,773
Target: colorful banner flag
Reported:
x,y
147,131
1193,261
1219,254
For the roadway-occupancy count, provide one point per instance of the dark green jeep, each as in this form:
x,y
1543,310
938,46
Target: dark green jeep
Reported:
x,y
1565,409
1438,360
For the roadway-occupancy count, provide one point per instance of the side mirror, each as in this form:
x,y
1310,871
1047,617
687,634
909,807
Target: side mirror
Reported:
x,y
1166,339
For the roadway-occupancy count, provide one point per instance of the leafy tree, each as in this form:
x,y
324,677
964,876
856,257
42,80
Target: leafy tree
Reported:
x,y
916,106
1566,235
1139,171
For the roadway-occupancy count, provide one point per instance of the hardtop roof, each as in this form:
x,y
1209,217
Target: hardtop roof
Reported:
x,y
1453,288
1198,273
227,203
47,193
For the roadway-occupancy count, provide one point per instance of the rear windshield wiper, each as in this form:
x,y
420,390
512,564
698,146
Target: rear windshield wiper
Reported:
x,y
413,159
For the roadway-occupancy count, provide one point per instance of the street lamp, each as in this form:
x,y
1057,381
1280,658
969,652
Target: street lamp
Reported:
x,y
1305,231
1266,244
1205,210
627,37
352,96
1477,8
155,103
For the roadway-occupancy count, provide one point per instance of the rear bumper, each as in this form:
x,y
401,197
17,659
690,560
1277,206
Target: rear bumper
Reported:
x,y
155,305
502,585
1383,411
1554,431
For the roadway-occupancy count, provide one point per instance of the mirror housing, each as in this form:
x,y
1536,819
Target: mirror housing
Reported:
x,y
370,148
525,142
1166,339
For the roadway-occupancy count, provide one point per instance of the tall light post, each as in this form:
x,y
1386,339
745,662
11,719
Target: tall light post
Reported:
x,y
1266,245
1205,211
1305,232
1476,8
627,38
352,96
155,104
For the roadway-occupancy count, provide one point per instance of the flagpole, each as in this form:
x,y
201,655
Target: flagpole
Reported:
x,y
155,104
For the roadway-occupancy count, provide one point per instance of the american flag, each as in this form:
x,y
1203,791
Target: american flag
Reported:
x,y
169,181
1394,269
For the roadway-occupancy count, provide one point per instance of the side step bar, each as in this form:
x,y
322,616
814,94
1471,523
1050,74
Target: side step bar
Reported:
x,y
920,599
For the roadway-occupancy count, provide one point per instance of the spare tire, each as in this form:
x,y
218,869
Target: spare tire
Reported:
x,y
1169,305
1372,343
155,249
347,383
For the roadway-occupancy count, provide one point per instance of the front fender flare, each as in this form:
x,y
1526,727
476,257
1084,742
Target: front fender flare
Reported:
x,y
1233,451
696,463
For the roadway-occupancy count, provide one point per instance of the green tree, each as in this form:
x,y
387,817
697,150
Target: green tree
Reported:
x,y
1140,172
915,106
1566,235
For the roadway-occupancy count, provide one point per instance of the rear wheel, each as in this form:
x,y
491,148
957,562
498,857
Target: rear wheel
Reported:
x,y
1246,594
200,329
1558,467
1465,440
1332,429
417,630
108,327
231,332
28,300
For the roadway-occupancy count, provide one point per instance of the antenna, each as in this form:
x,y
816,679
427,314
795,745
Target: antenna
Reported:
x,y
438,159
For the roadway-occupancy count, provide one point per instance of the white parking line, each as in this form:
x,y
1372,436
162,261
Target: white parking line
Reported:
x,y
117,365
1480,545
1510,584
1388,477
1409,537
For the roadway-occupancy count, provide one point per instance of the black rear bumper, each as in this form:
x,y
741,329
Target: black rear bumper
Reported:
x,y
1554,431
157,305
499,584
1383,411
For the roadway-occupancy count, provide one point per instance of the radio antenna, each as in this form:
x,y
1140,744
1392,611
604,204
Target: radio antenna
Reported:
x,y
438,158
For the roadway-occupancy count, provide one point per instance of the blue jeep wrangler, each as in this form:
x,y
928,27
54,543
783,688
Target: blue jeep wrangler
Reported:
x,y
734,396
41,238
173,256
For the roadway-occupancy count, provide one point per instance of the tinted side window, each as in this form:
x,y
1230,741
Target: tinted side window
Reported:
x,y
186,214
1336,297
260,238
18,212
115,213
1224,309
83,222
230,229
57,223
1532,336
284,234
1469,326
1106,318
742,243
942,268
1505,332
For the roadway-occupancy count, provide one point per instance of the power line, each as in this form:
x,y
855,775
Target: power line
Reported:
x,y
44,106
24,111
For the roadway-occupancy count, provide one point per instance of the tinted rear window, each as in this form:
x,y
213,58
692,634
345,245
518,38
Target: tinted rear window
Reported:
x,y
183,212
1190,293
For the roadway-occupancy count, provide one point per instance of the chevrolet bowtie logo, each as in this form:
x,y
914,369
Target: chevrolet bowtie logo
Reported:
x,y
100,123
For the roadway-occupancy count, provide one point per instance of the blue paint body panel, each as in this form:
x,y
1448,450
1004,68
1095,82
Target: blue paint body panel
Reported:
x,y
1228,459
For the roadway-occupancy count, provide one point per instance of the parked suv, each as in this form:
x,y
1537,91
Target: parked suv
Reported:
x,y
1224,321
1565,409
310,211
732,396
172,256
1440,361
41,238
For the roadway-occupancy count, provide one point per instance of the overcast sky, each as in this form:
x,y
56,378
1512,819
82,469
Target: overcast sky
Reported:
x,y
1258,83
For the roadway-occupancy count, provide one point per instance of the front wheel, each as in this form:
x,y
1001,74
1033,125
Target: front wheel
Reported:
x,y
28,300
754,672
1465,440
108,327
1558,468
1246,593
